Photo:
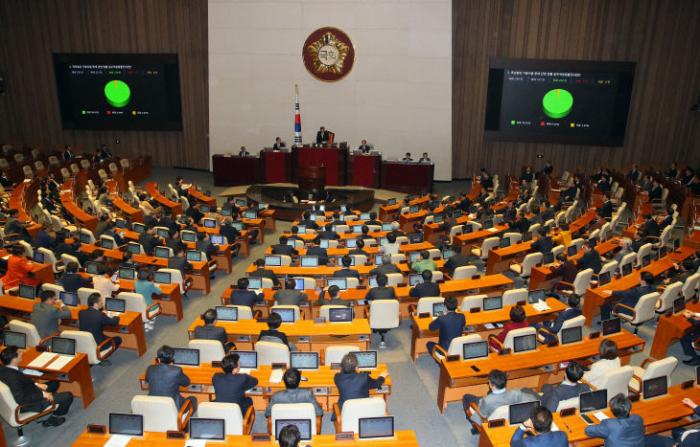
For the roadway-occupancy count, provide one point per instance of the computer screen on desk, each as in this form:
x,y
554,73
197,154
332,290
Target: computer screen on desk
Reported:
x,y
341,283
115,305
62,345
492,303
304,360
366,359
287,314
227,313
210,429
26,291
376,427
604,278
594,400
524,343
611,326
340,314
247,359
69,298
655,387
304,426
127,273
571,335
17,339
309,261
519,413
126,424
475,350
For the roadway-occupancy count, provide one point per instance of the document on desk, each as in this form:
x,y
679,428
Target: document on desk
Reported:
x,y
541,306
600,416
118,441
276,375
41,360
492,230
196,443
60,362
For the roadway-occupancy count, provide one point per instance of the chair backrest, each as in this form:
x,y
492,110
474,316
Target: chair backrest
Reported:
x,y
464,272
671,292
84,293
645,309
582,280
398,258
394,279
335,353
629,258
511,297
55,288
354,409
579,321
425,304
134,302
644,250
660,368
28,250
529,262
384,314
28,329
209,350
8,405
488,244
604,231
456,344
514,237
230,413
557,250
472,301
690,286
617,380
285,260
85,343
609,267
89,234
595,234
244,312
294,411
159,413
568,403
270,352
508,342
175,277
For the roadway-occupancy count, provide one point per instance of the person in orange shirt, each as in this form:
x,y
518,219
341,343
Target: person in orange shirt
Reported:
x,y
19,269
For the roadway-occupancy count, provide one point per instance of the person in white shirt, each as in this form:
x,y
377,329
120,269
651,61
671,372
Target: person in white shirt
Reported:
x,y
391,247
103,281
609,360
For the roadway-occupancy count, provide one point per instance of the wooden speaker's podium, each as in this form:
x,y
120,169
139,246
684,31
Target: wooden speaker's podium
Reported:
x,y
312,181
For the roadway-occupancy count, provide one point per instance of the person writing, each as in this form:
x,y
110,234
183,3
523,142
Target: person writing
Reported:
x,y
540,434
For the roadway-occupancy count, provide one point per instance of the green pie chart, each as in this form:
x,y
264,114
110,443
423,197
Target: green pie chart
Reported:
x,y
557,103
117,93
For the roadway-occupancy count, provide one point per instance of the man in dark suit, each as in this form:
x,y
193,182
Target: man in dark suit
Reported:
x,y
279,144
691,334
292,394
591,258
43,239
628,297
179,261
228,230
373,219
210,331
274,321
650,227
449,325
205,246
522,224
352,384
554,326
566,270
93,320
72,280
32,396
364,147
262,272
359,248
381,292
230,386
425,288
331,297
346,271
606,209
306,221
456,260
656,191
681,437
544,243
540,434
386,267
47,314
569,388
149,240
327,233
320,252
624,430
282,248
337,220
322,136
288,296
165,379
241,296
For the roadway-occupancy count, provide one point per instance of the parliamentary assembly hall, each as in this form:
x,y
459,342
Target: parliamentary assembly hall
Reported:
x,y
349,223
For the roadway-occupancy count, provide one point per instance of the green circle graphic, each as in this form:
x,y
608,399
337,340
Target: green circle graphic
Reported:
x,y
557,103
117,93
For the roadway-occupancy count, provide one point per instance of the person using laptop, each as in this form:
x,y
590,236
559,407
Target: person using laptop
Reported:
x,y
624,430
539,430
292,394
425,263
289,296
282,248
307,221
381,292
205,246
103,283
327,233
261,272
554,326
149,240
93,320
48,313
72,280
346,271
425,288
359,248
352,384
544,243
606,209
390,247
228,230
569,388
319,252
230,386
241,296
517,321
165,379
566,270
210,331
274,321
449,325
331,296
609,360
179,262
591,258
145,287
386,267
628,297
34,397
289,436
498,396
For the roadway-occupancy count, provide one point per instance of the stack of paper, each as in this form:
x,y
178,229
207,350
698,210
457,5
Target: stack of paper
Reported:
x,y
117,441
276,375
600,415
60,362
41,360
541,306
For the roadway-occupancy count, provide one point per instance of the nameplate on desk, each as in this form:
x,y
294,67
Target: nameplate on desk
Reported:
x,y
319,320
471,292
279,366
321,391
363,337
337,366
345,436
567,412
504,351
594,335
424,315
216,364
497,423
687,384
244,338
93,428
195,388
474,310
172,434
260,437
304,338
453,358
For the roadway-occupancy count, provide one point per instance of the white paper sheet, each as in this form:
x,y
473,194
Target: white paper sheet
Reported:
x,y
276,375
118,441
60,362
41,360
600,415
196,443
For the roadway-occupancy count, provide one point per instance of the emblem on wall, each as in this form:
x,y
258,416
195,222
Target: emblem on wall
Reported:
x,y
328,54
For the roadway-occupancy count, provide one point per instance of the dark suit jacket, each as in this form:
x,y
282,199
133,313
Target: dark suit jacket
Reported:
x,y
693,439
553,394
567,270
624,432
274,333
289,297
264,273
548,439
556,324
631,297
243,298
73,281
449,326
93,321
380,293
326,235
544,245
650,228
212,332
283,249
591,260
385,269
458,260
346,273
606,209
23,389
229,232
321,137
322,254
166,380
355,385
425,289
308,223
231,388
179,263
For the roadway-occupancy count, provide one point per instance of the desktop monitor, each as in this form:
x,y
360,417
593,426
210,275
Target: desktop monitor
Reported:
x,y
226,313
536,295
378,260
340,314
62,345
383,241
646,260
91,268
414,209
503,243
627,269
323,243
127,273
121,223
492,303
548,258
194,255
357,228
301,229
217,239
388,226
391,201
204,208
188,236
477,350
12,338
571,335
292,242
304,360
439,309
162,232
309,261
447,253
364,216
226,212
38,257
26,291
519,413
524,343
250,214
84,238
571,250
186,357
413,257
69,298
414,278
655,387
438,218
373,282
351,243
115,305
107,244
611,326
125,424
161,252
273,261
254,283
162,277
679,305
138,227
415,238
241,202
238,225
298,283
304,426
376,427
592,401
209,429
287,314
604,278
366,359
209,223
342,283
247,359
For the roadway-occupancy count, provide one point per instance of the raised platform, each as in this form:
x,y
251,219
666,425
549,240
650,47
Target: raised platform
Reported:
x,y
380,195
